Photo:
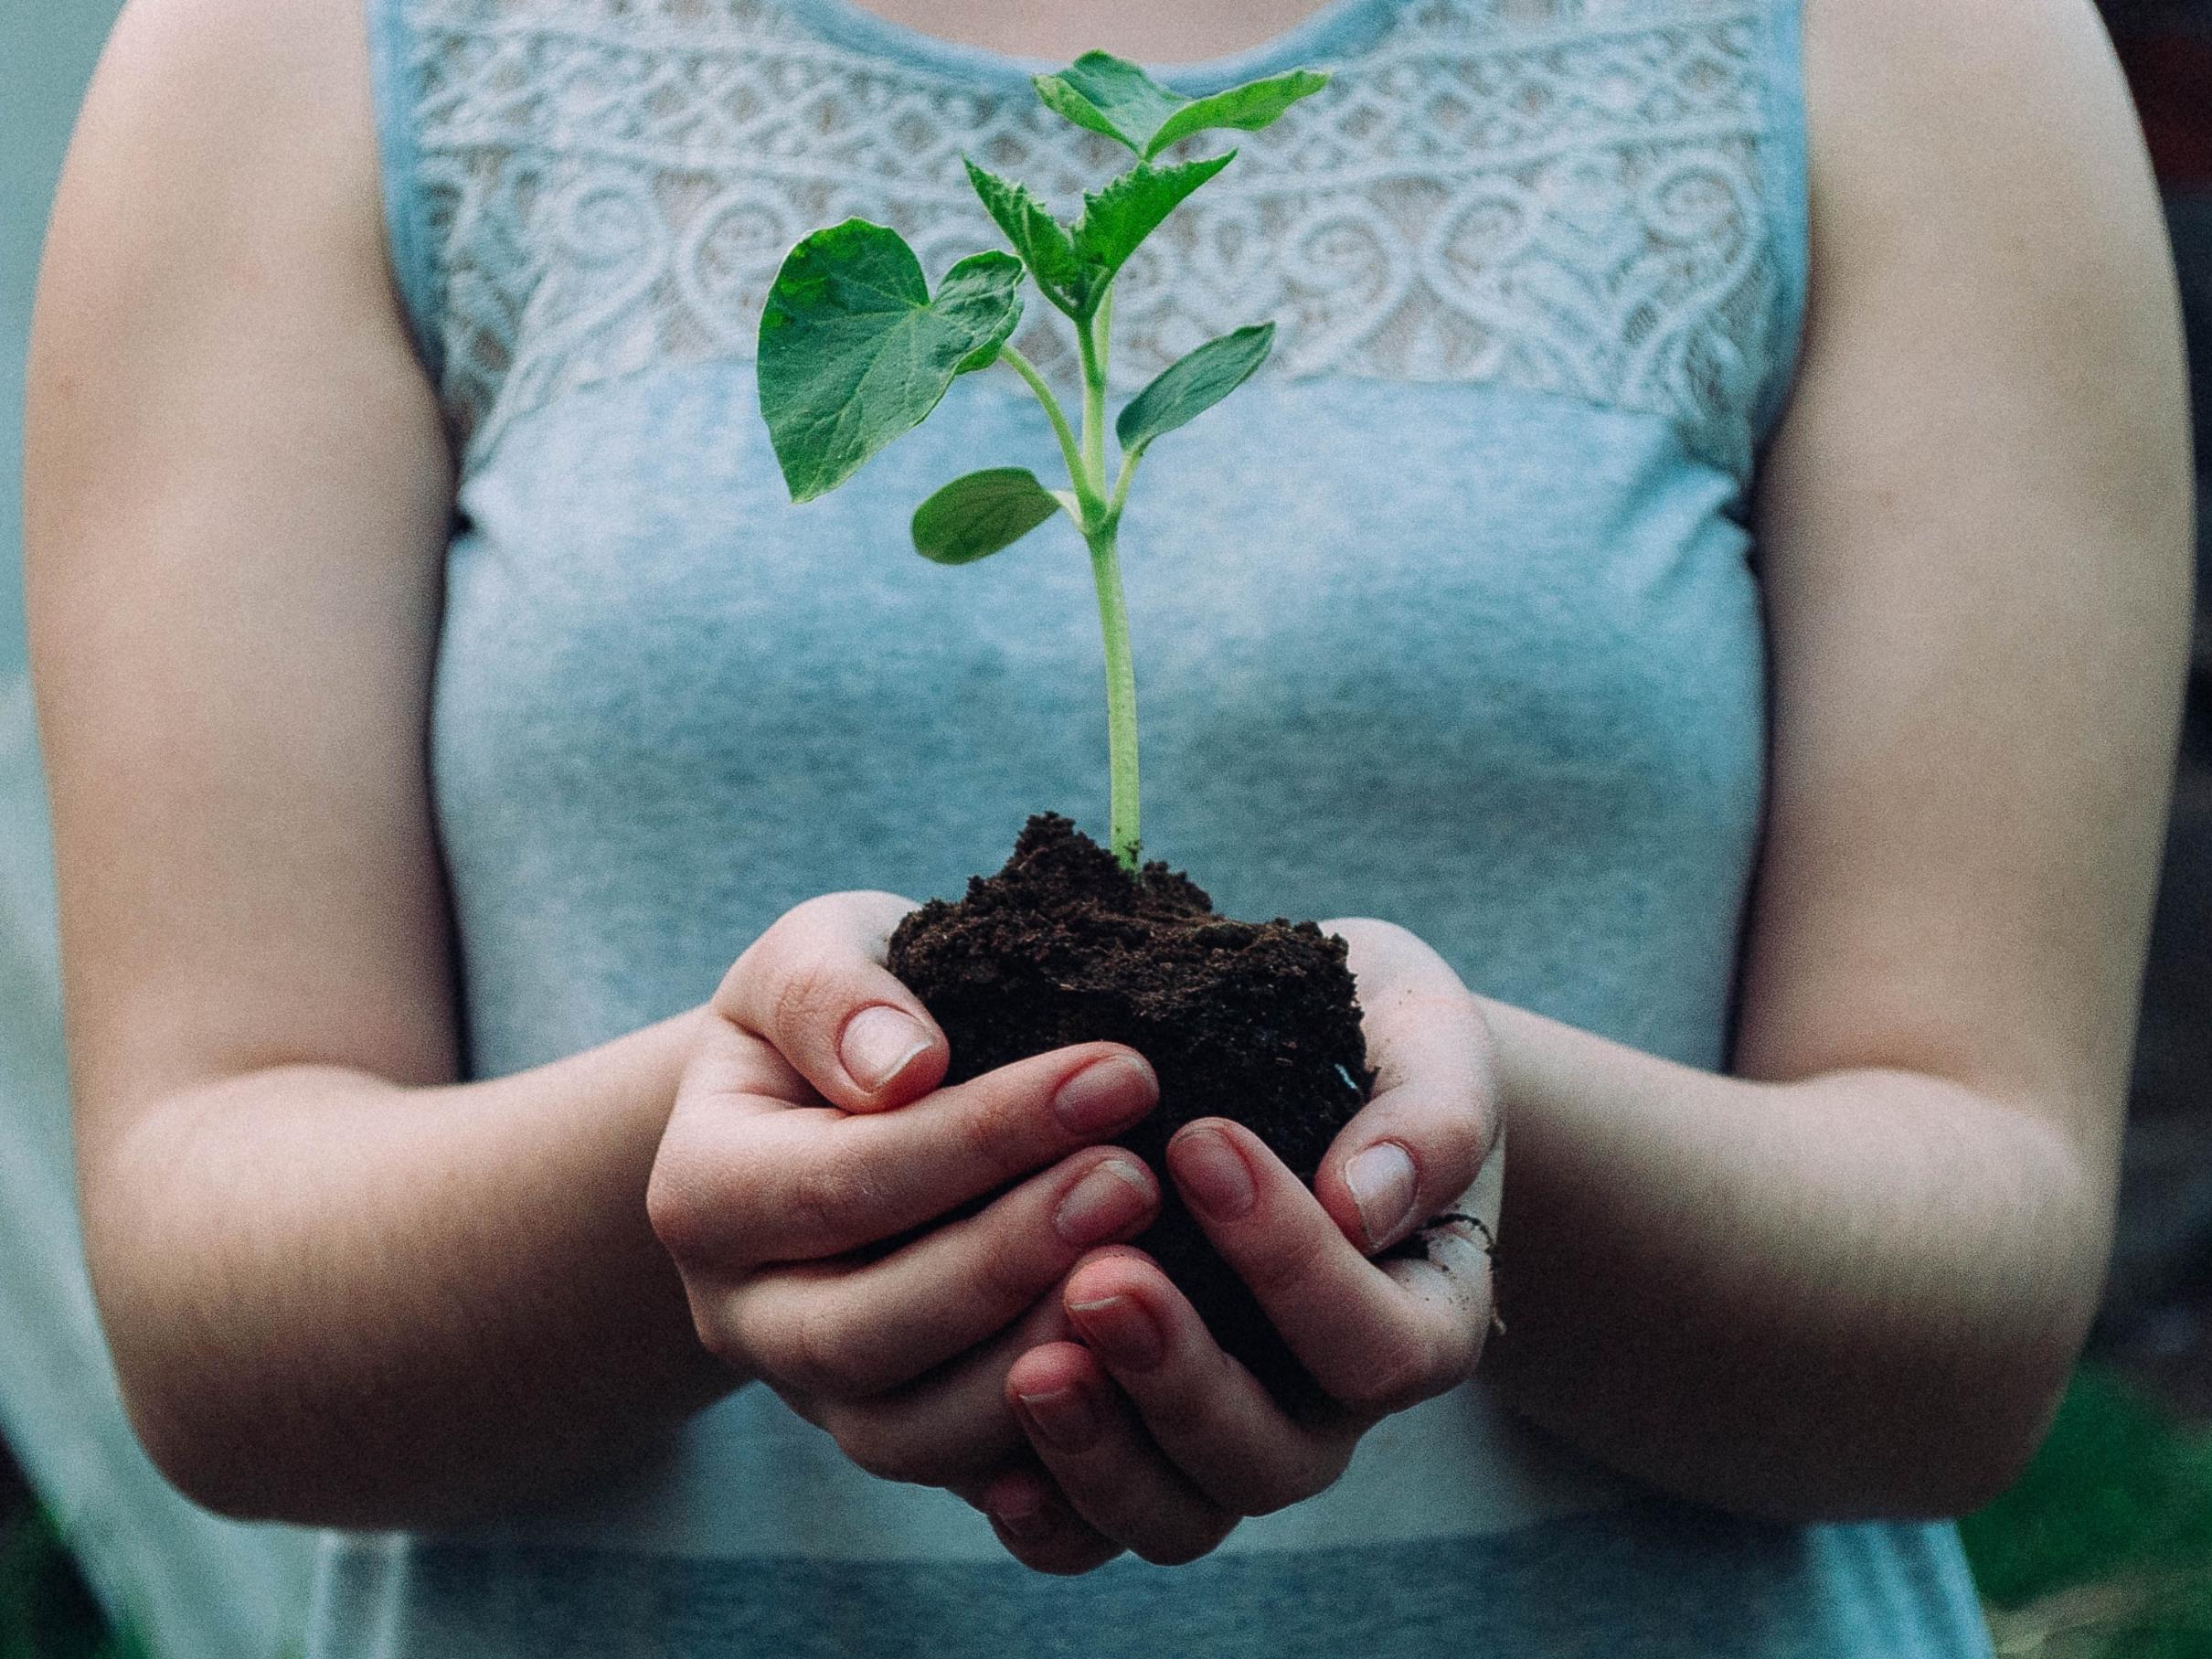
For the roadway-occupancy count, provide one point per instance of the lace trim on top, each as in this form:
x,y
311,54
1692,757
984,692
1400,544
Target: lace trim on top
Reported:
x,y
1561,195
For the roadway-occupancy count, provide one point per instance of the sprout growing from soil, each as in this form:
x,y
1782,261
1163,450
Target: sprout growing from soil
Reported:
x,y
855,350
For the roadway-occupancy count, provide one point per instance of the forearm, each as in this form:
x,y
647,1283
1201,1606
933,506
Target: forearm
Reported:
x,y
336,1299
1853,1295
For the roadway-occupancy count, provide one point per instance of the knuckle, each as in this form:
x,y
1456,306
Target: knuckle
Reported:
x,y
717,1321
806,997
681,1211
828,1199
989,1130
713,1335
739,996
827,1355
1284,1269
1008,1277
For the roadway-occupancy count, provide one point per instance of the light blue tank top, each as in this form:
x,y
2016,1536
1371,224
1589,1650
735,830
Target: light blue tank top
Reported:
x,y
1448,617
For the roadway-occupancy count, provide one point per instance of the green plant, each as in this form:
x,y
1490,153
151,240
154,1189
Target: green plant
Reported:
x,y
2118,1487
46,1610
855,349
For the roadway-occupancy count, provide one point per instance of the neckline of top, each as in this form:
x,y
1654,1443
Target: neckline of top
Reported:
x,y
1336,28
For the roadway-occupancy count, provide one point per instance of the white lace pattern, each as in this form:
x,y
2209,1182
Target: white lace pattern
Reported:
x,y
1561,195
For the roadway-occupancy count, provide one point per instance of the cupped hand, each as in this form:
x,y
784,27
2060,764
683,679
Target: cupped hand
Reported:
x,y
1153,1439
809,1138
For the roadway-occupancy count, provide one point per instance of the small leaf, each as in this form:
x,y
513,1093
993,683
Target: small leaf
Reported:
x,y
1037,236
979,513
1111,95
1190,386
1247,108
1129,209
854,351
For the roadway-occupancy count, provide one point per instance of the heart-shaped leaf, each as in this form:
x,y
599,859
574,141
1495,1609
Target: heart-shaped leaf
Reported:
x,y
854,351
1191,385
979,513
1037,236
1111,95
1129,209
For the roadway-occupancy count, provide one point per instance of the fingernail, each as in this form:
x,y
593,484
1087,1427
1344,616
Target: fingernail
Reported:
x,y
1110,1200
1381,1179
1063,1417
1122,1332
879,1042
1212,1174
1106,1094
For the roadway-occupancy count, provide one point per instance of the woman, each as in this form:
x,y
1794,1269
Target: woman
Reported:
x,y
1588,551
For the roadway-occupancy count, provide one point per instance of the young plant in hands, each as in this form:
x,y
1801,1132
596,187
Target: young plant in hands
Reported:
x,y
855,350
1257,1023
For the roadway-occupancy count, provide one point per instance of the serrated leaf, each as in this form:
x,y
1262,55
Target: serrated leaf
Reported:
x,y
1111,95
855,351
1129,208
1247,108
1193,384
1037,236
980,513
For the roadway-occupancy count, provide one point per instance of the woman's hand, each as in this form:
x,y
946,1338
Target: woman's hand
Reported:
x,y
1157,1441
809,1139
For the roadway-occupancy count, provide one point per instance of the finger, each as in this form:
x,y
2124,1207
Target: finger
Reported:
x,y
1415,1148
1378,1337
1094,1448
1209,1416
830,1327
814,986
949,1427
796,1185
1034,1521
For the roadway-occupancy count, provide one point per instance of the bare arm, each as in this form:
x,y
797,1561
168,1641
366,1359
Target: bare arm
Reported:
x,y
1853,1280
339,1285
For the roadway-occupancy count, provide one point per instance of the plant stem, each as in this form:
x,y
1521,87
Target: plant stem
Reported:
x,y
1027,370
1090,343
1100,531
1121,700
1121,485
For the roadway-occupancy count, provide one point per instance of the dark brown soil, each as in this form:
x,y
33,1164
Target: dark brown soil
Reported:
x,y
1252,1021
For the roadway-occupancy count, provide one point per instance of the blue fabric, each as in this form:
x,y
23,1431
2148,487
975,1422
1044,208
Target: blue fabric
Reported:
x,y
1638,1583
1451,621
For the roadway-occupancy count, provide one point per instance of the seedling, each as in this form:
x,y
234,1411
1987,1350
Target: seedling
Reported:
x,y
855,350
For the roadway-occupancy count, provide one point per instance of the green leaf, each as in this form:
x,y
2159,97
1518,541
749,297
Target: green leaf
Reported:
x,y
979,513
1247,108
854,351
1111,95
1129,209
1190,386
1037,236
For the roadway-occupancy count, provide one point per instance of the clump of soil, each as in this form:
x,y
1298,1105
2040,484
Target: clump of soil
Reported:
x,y
1253,1021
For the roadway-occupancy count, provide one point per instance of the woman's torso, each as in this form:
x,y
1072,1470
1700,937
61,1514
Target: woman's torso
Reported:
x,y
1447,617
